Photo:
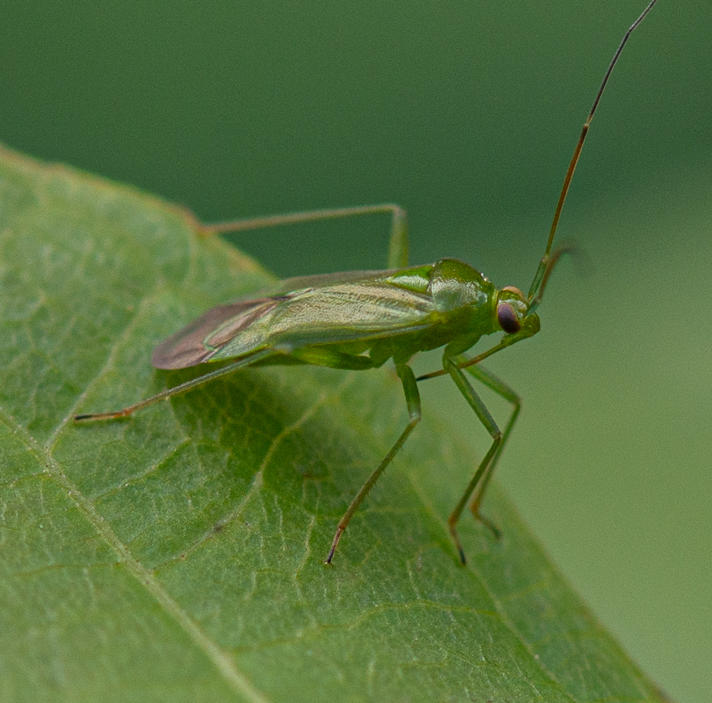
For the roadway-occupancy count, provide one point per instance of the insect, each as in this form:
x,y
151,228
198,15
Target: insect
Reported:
x,y
359,320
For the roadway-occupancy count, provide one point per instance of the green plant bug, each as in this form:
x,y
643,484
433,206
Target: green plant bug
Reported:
x,y
360,319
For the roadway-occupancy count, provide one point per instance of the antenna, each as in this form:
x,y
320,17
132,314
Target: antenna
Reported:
x,y
547,262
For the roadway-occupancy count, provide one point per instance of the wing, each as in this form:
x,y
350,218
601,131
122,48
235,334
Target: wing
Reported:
x,y
322,280
197,341
333,308
349,311
413,278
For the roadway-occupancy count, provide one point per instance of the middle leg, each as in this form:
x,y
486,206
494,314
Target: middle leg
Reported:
x,y
412,398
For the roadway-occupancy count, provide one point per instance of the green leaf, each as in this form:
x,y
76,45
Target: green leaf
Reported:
x,y
178,555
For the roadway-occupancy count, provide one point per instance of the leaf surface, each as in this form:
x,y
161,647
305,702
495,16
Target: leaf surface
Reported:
x,y
178,555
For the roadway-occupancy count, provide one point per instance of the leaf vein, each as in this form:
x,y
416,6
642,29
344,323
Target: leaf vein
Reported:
x,y
220,658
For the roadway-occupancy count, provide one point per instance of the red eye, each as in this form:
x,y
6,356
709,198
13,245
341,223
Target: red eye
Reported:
x,y
507,318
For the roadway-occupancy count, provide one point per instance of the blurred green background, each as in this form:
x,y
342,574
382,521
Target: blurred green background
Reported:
x,y
465,113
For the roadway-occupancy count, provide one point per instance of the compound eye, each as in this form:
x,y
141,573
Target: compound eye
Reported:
x,y
507,318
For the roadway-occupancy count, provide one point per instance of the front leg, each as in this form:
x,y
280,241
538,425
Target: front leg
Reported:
x,y
484,469
505,391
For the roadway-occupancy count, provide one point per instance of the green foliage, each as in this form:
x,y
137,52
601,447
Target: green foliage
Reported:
x,y
178,555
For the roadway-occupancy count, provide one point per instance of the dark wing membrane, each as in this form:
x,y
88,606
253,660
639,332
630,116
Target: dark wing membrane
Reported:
x,y
198,341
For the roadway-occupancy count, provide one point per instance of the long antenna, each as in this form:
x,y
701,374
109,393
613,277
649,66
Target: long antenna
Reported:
x,y
546,264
